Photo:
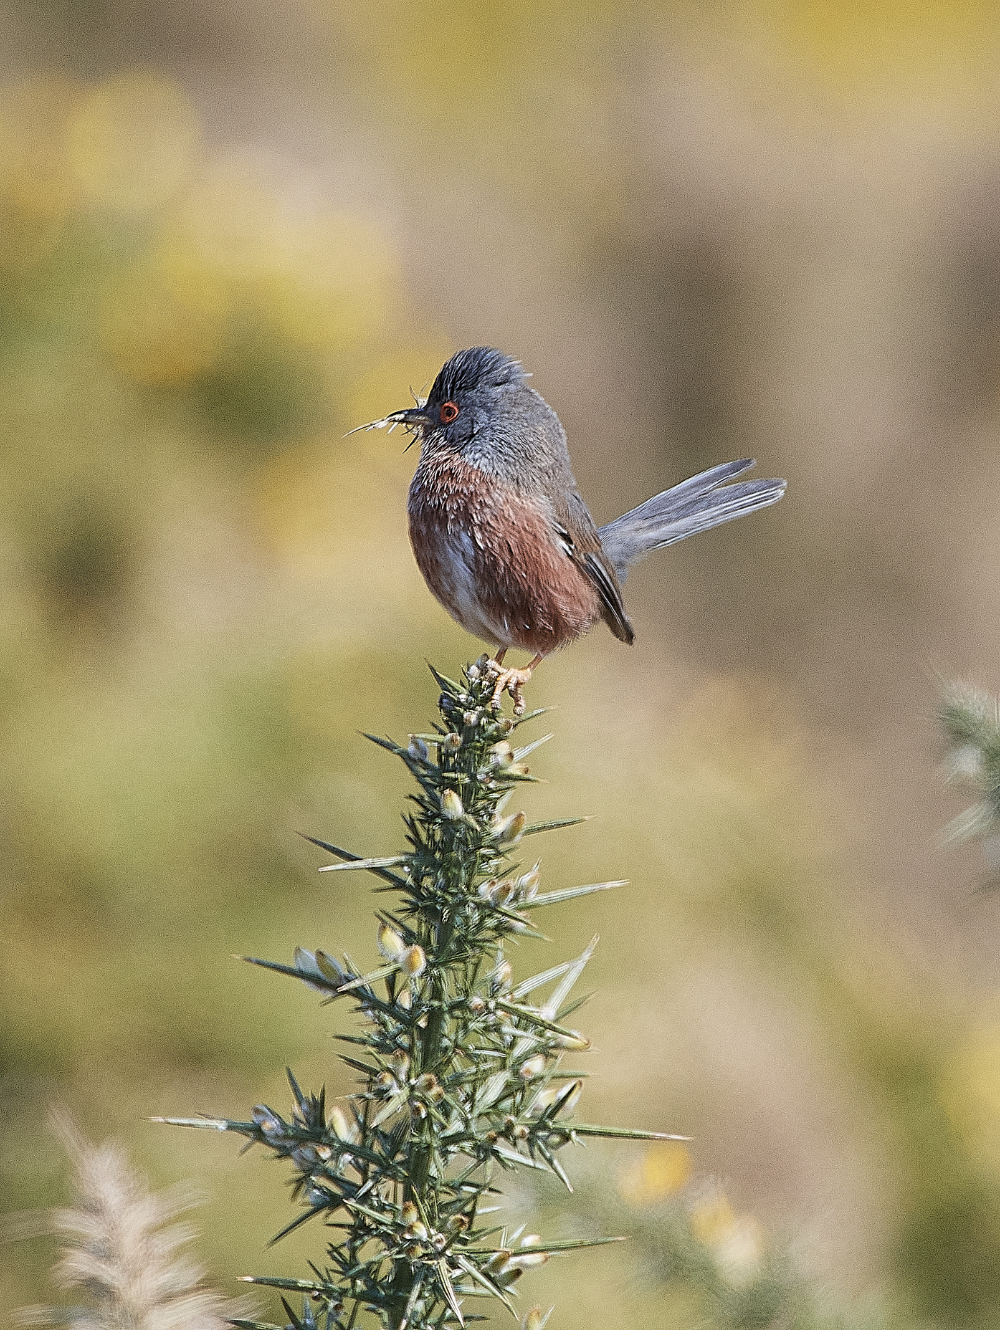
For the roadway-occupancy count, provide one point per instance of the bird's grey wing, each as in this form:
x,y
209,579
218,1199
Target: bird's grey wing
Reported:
x,y
696,504
578,535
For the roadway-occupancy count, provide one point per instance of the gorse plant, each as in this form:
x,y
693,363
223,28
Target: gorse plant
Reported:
x,y
462,1068
970,718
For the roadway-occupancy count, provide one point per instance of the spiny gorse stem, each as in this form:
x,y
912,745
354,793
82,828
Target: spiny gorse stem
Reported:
x,y
970,718
122,1248
462,1069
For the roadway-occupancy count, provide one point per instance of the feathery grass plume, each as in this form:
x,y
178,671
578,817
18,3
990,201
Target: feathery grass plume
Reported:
x,y
971,721
124,1250
461,1067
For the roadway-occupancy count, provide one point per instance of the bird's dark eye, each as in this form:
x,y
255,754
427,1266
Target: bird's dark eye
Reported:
x,y
448,412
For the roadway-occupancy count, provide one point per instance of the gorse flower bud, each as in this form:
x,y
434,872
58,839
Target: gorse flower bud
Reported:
x,y
525,1260
534,1320
526,887
413,961
269,1122
563,1098
325,969
533,1067
451,806
340,1124
508,830
390,944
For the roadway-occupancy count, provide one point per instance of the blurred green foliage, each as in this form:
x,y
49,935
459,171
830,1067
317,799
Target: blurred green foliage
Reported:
x,y
207,592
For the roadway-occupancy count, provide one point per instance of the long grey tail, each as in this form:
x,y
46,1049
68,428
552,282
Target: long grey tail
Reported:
x,y
694,505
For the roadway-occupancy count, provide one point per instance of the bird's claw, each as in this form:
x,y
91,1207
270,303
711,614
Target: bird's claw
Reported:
x,y
508,681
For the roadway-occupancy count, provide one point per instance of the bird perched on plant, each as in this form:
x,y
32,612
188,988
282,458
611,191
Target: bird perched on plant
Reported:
x,y
498,527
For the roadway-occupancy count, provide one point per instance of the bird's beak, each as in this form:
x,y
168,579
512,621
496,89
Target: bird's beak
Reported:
x,y
411,416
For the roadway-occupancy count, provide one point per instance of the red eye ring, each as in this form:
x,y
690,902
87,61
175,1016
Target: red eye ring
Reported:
x,y
448,412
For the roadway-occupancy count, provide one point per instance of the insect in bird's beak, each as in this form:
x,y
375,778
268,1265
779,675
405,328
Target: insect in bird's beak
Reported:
x,y
411,418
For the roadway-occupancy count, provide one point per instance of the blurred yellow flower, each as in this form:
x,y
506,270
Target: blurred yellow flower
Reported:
x,y
736,1241
712,1217
133,141
663,1170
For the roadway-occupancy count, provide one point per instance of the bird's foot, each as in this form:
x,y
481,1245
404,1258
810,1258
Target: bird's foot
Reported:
x,y
510,681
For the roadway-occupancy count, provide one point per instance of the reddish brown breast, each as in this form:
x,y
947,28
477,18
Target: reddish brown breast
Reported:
x,y
491,558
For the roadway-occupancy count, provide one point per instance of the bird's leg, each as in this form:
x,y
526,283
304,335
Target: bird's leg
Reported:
x,y
511,680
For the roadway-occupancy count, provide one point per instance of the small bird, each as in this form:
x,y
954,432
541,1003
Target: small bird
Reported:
x,y
498,527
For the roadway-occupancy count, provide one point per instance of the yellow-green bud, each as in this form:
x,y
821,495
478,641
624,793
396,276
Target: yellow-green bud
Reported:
x,y
451,806
528,1259
340,1124
566,1096
501,754
413,961
533,1067
390,944
504,892
508,830
527,885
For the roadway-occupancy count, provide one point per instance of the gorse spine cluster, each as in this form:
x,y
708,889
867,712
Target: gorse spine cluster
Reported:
x,y
970,718
463,1070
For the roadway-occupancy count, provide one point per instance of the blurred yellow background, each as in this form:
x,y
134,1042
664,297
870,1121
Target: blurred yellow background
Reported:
x,y
231,231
